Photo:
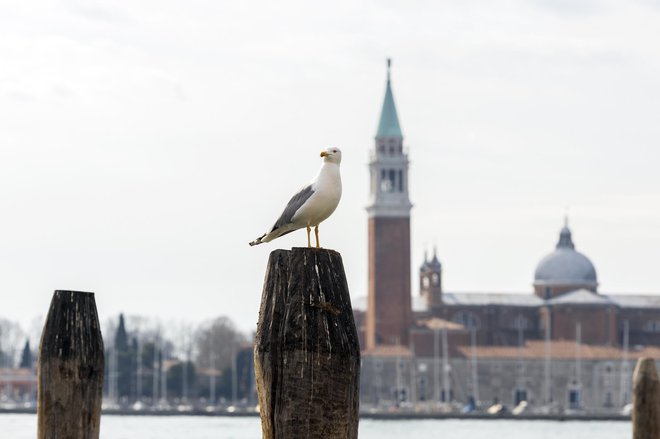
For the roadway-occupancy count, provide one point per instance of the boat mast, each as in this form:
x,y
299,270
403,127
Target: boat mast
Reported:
x,y
436,363
623,393
212,375
413,378
547,359
475,379
445,366
578,359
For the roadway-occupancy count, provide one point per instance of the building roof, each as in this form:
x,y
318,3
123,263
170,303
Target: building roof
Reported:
x,y
559,350
577,297
502,299
389,120
438,323
581,297
565,265
388,351
635,300
17,376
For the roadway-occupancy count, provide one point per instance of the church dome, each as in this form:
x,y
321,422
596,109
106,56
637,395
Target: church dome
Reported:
x,y
566,266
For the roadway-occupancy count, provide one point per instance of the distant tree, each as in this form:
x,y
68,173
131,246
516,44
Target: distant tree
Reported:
x,y
175,381
244,376
149,359
26,357
121,337
11,335
216,342
125,360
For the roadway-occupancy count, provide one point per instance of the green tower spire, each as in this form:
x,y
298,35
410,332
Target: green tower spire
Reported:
x,y
389,121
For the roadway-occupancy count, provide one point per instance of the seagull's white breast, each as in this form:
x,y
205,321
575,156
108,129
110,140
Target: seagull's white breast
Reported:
x,y
324,200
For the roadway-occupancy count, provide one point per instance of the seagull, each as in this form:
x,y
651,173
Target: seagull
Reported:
x,y
313,204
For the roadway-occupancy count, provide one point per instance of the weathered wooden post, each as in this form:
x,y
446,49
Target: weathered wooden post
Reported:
x,y
70,369
646,400
307,353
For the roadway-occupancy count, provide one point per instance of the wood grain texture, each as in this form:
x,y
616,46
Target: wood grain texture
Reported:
x,y
307,353
70,368
646,400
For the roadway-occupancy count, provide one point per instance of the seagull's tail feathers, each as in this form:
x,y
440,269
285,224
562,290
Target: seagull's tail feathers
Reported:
x,y
258,240
274,233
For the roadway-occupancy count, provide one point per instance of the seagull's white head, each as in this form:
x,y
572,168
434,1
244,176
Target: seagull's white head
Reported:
x,y
331,155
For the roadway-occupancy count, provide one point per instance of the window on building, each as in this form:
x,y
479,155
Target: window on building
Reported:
x,y
422,384
652,326
521,322
435,279
547,293
385,182
519,396
446,396
388,180
400,180
574,398
467,319
608,399
400,395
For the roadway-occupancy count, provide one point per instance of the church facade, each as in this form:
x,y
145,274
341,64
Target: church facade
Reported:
x,y
564,345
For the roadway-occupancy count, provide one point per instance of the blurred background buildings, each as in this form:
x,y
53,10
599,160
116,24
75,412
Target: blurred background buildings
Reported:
x,y
563,346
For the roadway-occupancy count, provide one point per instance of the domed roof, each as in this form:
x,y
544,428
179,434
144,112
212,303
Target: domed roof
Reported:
x,y
565,265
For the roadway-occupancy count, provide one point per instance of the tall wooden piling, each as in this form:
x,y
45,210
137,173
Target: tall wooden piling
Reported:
x,y
307,353
646,400
70,369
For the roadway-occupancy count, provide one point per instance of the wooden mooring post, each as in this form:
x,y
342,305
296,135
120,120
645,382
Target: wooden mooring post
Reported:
x,y
646,400
307,353
70,369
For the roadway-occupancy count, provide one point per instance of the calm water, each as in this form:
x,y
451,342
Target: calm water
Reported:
x,y
144,427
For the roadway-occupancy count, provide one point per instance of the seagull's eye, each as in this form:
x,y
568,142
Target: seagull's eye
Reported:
x,y
334,150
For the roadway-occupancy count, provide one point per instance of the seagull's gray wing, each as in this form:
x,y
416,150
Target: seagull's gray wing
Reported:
x,y
292,207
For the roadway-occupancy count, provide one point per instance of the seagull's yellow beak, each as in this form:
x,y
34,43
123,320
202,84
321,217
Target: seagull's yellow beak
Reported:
x,y
324,154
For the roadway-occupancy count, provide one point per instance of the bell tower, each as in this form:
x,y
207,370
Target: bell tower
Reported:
x,y
430,280
389,313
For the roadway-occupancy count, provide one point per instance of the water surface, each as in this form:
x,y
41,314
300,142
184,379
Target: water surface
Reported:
x,y
183,427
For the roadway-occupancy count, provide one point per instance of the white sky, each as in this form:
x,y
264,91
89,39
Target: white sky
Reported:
x,y
144,144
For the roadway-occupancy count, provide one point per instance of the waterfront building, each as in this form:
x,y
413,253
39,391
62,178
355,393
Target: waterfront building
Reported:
x,y
563,345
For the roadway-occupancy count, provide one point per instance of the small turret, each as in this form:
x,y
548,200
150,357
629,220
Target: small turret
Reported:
x,y
430,280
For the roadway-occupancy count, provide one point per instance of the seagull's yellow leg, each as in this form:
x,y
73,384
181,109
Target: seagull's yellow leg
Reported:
x,y
316,232
309,241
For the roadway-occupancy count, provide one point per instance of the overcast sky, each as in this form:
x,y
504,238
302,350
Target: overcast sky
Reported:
x,y
144,144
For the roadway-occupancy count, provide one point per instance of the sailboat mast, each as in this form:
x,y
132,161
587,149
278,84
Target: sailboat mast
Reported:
x,y
445,366
475,376
623,392
547,359
212,376
436,363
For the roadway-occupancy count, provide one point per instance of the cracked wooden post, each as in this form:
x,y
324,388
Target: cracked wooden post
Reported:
x,y
307,353
70,369
646,400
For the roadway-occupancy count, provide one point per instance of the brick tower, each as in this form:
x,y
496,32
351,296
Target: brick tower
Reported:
x,y
389,314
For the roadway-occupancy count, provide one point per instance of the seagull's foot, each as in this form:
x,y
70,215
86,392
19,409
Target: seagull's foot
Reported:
x,y
309,241
316,232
